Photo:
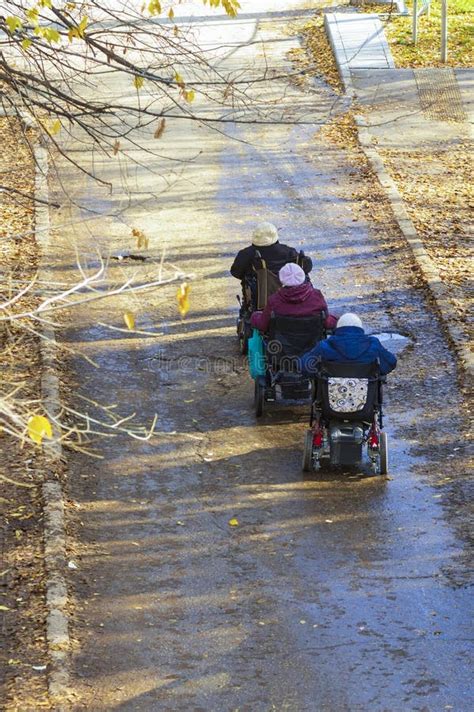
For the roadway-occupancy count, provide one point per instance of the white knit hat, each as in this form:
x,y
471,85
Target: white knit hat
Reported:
x,y
291,275
264,235
349,320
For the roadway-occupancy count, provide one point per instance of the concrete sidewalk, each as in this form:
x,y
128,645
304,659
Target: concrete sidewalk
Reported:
x,y
358,42
414,122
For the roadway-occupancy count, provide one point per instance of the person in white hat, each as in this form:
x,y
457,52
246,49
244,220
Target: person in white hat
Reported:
x,y
349,343
265,245
296,297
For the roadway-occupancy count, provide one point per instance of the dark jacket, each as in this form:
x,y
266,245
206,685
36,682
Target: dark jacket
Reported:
x,y
303,300
349,343
276,256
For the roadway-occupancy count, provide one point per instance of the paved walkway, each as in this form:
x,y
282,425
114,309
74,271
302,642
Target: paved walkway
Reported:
x,y
440,100
176,610
420,120
358,41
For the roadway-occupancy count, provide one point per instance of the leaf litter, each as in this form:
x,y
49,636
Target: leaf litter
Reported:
x,y
22,580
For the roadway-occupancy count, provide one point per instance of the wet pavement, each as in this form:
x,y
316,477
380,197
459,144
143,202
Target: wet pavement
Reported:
x,y
346,591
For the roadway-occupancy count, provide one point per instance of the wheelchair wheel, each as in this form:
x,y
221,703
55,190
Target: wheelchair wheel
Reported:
x,y
259,400
244,342
383,457
244,333
308,452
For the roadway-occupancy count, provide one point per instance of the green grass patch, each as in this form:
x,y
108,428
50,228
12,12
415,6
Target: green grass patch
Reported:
x,y
427,52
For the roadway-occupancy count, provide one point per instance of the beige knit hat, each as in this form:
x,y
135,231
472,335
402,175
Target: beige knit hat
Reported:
x,y
349,319
264,235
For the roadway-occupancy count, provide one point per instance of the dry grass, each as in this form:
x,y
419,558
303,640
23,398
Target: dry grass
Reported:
x,y
342,131
426,53
438,192
316,57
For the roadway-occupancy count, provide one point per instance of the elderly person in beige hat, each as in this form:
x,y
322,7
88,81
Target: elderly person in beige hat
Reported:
x,y
274,253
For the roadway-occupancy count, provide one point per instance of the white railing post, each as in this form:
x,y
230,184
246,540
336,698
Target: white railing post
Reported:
x,y
414,32
444,30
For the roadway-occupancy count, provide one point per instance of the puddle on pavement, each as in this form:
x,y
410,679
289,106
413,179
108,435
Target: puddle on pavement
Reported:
x,y
392,341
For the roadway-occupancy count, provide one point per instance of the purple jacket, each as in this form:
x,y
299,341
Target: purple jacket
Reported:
x,y
303,300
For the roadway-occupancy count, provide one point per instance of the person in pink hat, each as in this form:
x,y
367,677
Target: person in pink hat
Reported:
x,y
296,297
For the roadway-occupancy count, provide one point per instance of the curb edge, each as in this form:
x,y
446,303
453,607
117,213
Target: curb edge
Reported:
x,y
57,623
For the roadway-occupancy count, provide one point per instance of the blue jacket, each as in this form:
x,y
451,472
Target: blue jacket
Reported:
x,y
349,343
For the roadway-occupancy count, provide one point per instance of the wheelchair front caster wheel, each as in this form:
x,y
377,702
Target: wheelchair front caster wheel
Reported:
x,y
259,399
307,465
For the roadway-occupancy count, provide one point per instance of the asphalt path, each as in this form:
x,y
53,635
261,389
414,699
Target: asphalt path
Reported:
x,y
341,592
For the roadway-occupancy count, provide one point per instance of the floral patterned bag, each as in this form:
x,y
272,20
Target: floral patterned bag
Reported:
x,y
347,395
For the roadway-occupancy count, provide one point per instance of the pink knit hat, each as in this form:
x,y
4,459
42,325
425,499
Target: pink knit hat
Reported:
x,y
291,275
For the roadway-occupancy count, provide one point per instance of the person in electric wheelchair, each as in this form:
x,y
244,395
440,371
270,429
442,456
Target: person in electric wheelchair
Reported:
x,y
348,371
296,298
257,268
267,248
295,319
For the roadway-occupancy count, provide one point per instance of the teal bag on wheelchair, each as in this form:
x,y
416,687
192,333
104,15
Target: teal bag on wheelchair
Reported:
x,y
256,355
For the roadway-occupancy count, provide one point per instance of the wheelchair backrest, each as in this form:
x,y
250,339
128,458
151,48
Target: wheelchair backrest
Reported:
x,y
348,390
290,336
267,284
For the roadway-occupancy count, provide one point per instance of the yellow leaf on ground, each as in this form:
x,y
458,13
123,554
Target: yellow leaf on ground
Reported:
x,y
39,427
234,522
141,238
129,319
183,299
